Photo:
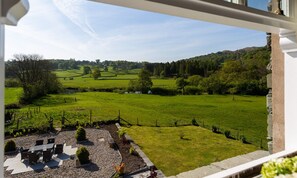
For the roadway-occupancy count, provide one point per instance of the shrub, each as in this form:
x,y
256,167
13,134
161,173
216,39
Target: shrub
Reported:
x,y
83,155
80,134
194,122
10,146
280,167
132,151
215,129
12,83
243,139
121,132
227,133
192,90
163,91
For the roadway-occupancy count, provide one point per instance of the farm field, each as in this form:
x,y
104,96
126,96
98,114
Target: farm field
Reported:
x,y
199,147
246,115
108,80
12,95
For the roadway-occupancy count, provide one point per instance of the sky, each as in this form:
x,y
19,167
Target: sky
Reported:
x,y
85,30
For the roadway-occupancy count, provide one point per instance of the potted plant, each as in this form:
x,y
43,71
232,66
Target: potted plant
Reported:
x,y
282,167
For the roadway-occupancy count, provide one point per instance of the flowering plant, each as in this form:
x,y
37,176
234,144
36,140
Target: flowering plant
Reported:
x,y
282,167
120,169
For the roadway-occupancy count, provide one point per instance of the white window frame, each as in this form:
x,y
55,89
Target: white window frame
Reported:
x,y
216,11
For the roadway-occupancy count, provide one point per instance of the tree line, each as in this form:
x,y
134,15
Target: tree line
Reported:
x,y
239,72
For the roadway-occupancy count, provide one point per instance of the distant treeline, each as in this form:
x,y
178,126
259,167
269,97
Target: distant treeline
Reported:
x,y
236,72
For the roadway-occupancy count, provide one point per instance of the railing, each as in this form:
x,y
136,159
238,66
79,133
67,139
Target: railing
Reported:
x,y
253,168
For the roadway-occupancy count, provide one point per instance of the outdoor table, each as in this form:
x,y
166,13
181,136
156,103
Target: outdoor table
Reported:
x,y
41,147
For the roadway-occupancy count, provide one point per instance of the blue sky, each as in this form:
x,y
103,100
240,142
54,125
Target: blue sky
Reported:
x,y
85,30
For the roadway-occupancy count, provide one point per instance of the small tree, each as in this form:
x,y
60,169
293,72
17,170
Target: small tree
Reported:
x,y
180,84
80,134
83,155
10,146
227,134
145,81
96,73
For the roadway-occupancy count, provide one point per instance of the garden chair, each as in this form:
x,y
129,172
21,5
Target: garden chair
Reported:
x,y
50,140
59,148
24,153
47,155
39,142
33,157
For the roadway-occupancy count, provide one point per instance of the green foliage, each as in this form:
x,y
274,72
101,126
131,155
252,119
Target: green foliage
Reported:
x,y
180,83
83,155
214,129
96,73
281,166
243,139
227,133
35,76
132,151
87,70
192,90
121,132
195,80
194,122
80,134
12,83
9,146
163,91
143,83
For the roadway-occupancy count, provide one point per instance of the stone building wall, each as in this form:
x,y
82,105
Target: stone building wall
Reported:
x,y
278,143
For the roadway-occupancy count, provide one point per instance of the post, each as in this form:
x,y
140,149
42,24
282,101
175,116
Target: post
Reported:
x,y
2,89
90,117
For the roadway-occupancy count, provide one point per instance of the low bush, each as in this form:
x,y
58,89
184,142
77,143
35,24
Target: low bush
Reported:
x,y
215,129
192,90
194,122
163,91
12,83
83,155
132,151
121,132
243,139
80,134
281,167
227,133
10,146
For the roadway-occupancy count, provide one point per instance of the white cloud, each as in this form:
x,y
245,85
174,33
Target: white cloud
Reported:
x,y
86,30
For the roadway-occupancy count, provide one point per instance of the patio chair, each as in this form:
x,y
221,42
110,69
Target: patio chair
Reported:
x,y
39,142
33,158
59,148
50,140
24,153
47,155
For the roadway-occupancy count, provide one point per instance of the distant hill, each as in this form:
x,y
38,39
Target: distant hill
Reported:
x,y
221,56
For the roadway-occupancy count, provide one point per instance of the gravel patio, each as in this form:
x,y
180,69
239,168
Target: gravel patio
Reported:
x,y
103,158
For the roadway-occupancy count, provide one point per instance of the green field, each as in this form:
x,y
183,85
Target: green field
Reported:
x,y
174,155
12,95
108,80
244,116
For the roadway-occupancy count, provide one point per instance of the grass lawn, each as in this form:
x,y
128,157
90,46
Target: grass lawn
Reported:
x,y
244,116
174,155
12,95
